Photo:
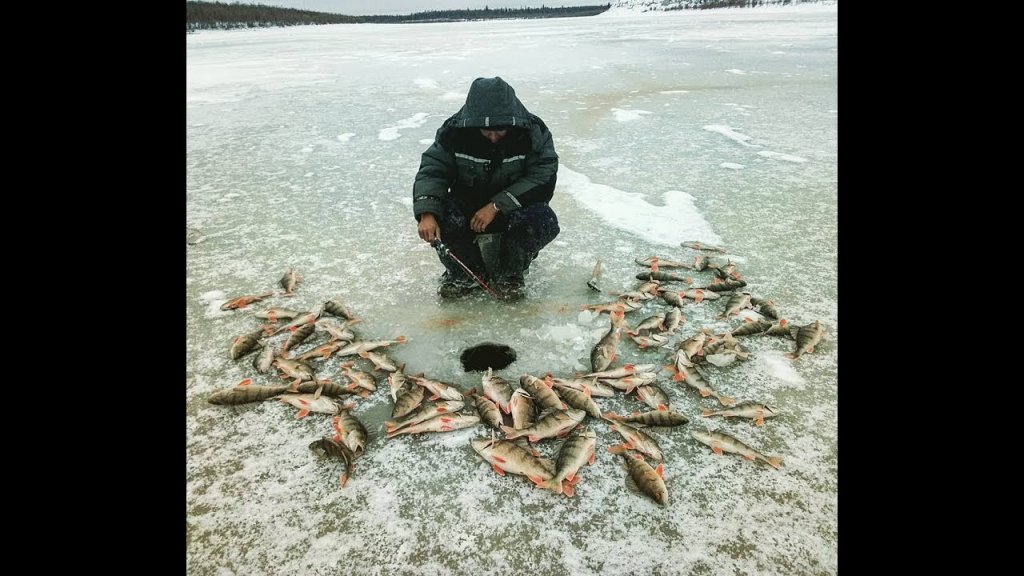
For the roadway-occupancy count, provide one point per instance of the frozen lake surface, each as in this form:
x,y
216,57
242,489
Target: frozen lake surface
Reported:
x,y
302,145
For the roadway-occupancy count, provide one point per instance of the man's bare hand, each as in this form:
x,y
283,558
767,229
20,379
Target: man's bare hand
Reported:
x,y
483,218
428,228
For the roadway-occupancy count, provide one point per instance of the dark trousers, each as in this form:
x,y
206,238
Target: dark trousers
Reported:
x,y
523,234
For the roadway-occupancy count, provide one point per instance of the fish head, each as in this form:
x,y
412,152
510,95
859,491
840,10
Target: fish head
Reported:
x,y
482,446
317,446
520,395
701,435
576,415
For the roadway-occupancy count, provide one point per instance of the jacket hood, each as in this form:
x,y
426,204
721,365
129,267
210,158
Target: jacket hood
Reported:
x,y
492,102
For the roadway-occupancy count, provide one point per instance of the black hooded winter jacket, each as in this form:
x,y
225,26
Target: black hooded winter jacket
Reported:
x,y
463,166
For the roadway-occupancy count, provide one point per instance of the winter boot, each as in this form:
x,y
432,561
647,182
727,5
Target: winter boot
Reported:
x,y
455,286
510,286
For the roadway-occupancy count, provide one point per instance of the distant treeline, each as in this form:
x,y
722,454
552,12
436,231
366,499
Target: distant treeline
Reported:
x,y
706,4
209,15
490,14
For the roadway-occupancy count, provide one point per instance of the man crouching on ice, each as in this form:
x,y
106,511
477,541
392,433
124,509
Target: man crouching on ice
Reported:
x,y
490,170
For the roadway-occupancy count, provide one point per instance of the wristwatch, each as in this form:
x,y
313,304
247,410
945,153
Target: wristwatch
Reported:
x,y
495,207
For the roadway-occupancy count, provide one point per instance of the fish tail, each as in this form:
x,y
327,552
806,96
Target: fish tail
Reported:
x,y
774,461
510,432
548,484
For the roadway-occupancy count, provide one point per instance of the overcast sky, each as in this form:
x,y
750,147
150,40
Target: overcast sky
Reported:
x,y
364,7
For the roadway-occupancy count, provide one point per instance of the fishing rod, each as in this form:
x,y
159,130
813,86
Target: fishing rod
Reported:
x,y
446,253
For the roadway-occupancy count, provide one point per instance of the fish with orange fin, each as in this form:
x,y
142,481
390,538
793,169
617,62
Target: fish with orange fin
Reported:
x,y
336,307
692,346
338,330
276,314
751,326
782,328
497,389
635,439
674,318
655,263
437,388
629,383
633,295
590,385
542,392
323,351
653,396
807,337
505,456
243,301
264,361
580,400
407,398
299,334
245,392
700,262
439,423
358,377
621,371
605,351
671,297
651,418
354,348
650,481
648,324
623,305
650,341
290,281
296,322
649,286
396,380
329,447
555,423
754,410
695,380
349,430
577,450
664,276
245,344
728,270
315,402
737,301
488,411
766,307
698,295
381,362
328,388
294,369
721,442
720,285
521,409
